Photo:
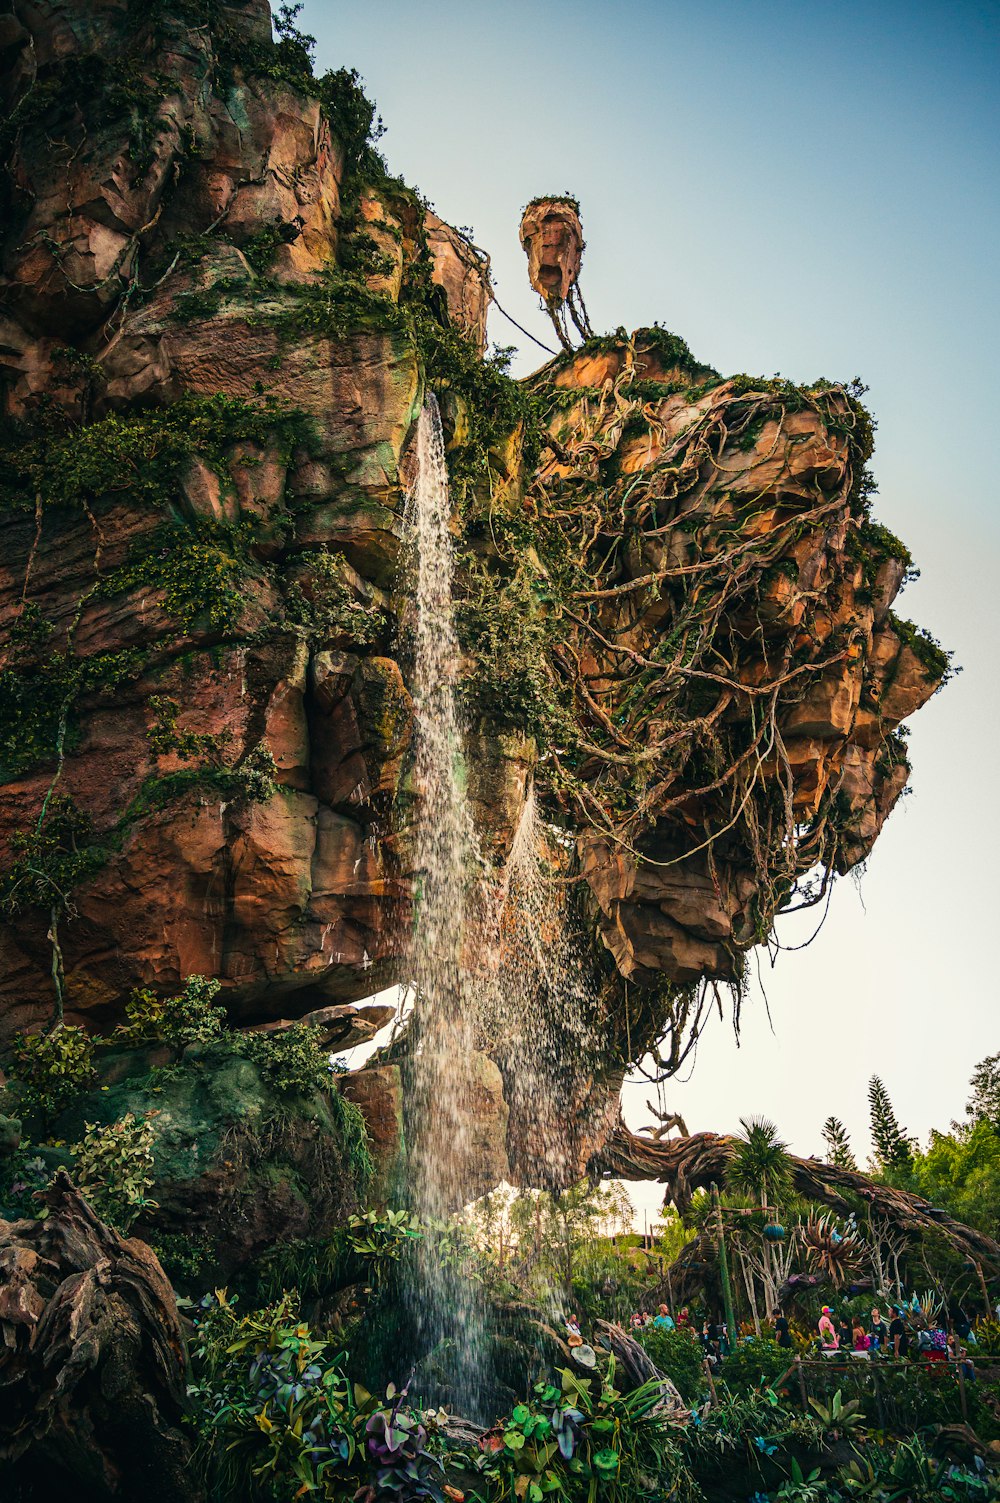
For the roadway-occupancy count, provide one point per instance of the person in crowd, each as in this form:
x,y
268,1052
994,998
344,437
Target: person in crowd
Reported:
x,y
663,1319
573,1330
878,1331
899,1336
844,1332
635,1320
963,1327
829,1340
935,1347
860,1340
782,1334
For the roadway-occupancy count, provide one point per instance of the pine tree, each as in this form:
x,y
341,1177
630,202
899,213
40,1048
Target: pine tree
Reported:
x,y
985,1103
838,1144
893,1149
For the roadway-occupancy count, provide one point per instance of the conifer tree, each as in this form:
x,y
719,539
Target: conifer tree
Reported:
x,y
893,1149
838,1144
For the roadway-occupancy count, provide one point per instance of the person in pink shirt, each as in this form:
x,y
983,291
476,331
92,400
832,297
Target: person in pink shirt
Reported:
x,y
861,1341
828,1331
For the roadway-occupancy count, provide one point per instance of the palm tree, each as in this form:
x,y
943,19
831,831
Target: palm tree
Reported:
x,y
759,1165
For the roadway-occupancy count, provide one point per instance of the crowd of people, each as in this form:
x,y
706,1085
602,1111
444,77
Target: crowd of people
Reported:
x,y
900,1332
906,1333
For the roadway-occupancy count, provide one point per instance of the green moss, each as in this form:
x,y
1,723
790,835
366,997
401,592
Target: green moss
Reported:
x,y
553,198
142,454
936,660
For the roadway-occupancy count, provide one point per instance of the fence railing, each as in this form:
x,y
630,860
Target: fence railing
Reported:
x,y
891,1382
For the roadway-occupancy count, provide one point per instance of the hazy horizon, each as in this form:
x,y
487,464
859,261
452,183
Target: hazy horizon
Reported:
x,y
811,192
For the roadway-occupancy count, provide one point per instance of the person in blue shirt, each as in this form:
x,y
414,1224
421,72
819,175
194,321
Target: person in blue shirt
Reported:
x,y
663,1319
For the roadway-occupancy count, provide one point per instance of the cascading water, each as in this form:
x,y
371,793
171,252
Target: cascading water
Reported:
x,y
445,860
494,965
537,1016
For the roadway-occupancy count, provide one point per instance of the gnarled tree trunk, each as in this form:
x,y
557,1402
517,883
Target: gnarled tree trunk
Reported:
x,y
92,1363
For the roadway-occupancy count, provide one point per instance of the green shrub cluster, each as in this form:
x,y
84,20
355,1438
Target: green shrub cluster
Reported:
x,y
113,1168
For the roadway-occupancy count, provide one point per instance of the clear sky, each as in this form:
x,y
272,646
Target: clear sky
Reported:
x,y
808,189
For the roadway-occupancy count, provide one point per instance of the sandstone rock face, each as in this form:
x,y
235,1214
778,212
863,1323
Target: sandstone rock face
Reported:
x,y
215,676
730,651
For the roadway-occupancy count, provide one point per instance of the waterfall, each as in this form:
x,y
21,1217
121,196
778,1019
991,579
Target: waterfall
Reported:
x,y
496,965
445,861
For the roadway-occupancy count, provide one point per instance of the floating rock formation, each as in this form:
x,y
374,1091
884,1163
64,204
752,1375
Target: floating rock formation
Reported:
x,y
219,320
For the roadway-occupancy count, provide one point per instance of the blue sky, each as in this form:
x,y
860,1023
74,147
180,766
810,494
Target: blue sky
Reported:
x,y
808,189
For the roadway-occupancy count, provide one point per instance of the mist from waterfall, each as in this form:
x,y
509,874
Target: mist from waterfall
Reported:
x,y
537,1014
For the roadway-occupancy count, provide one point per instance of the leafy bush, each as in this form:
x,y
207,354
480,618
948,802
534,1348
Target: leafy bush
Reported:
x,y
291,1061
113,1168
191,1017
581,1439
756,1362
279,1417
52,1069
679,1356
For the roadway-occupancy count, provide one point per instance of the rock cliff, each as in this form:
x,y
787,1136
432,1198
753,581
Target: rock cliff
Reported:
x,y
220,315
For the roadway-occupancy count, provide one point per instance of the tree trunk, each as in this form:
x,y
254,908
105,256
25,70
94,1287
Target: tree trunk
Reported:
x,y
92,1363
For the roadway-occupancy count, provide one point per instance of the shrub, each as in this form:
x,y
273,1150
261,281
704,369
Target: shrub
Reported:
x,y
113,1168
755,1363
273,1402
292,1061
52,1070
677,1355
192,1017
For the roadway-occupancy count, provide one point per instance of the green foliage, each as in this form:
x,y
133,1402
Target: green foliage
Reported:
x,y
960,1171
508,638
49,860
192,1017
838,1144
839,1415
677,1354
755,1362
51,1070
580,1439
937,661
327,608
37,694
380,1238
141,453
759,1165
292,1061
113,1168
893,1149
278,1415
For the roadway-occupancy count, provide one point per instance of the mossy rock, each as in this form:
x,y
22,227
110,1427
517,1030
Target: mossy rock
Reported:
x,y
239,1164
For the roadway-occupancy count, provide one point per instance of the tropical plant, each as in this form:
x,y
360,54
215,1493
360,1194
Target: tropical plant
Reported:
x,y
113,1167
580,1439
756,1362
839,1416
759,1163
836,1250
50,1070
192,1017
677,1355
274,1406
